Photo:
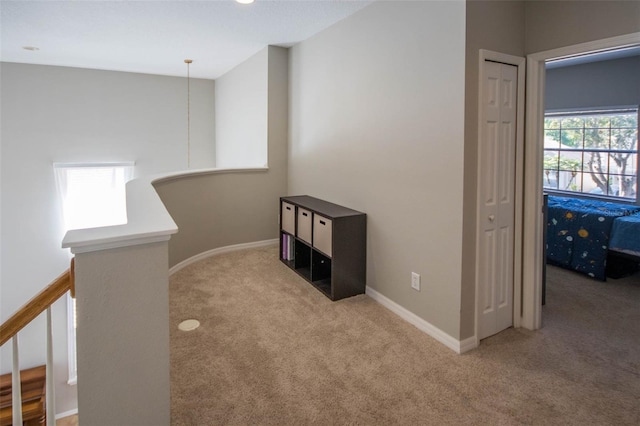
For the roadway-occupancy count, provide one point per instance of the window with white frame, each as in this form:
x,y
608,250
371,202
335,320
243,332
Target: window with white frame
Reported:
x,y
592,152
92,195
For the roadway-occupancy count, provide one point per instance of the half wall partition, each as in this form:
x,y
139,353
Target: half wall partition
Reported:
x,y
122,278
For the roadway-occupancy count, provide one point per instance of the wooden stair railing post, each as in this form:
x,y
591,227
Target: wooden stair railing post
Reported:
x,y
16,385
72,278
50,395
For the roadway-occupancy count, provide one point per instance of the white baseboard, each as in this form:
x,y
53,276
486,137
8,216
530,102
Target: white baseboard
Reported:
x,y
468,344
220,250
66,414
430,329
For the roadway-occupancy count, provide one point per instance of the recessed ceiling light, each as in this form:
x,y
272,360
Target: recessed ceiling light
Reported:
x,y
31,48
245,1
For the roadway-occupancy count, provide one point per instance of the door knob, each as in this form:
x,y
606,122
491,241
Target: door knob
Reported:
x,y
491,218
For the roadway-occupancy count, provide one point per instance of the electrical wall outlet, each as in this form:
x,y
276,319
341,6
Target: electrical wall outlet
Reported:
x,y
415,281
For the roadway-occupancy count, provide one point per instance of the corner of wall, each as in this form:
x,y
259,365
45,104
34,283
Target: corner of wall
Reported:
x,y
497,26
278,115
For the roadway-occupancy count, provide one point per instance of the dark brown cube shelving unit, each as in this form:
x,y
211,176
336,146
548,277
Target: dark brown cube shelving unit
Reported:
x,y
328,244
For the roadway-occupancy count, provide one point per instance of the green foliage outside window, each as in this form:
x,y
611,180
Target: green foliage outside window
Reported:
x,y
592,152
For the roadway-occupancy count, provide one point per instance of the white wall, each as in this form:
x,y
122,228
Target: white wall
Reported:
x,y
551,24
214,210
219,209
241,114
57,114
377,124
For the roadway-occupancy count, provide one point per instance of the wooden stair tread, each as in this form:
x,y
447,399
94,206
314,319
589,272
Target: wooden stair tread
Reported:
x,y
30,411
28,394
26,376
33,389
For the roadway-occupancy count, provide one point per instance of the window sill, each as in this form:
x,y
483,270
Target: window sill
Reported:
x,y
586,196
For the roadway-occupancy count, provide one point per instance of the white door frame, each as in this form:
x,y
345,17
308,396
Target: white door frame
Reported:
x,y
487,55
533,226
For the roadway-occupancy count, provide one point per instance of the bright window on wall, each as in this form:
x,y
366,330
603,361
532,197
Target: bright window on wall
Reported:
x,y
592,152
92,195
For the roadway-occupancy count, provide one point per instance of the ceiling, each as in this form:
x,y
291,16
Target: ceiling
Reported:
x,y
155,37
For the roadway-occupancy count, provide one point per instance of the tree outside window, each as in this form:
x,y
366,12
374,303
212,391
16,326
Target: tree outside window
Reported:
x,y
592,152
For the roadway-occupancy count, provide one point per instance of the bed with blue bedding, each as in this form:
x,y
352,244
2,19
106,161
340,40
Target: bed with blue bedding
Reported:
x,y
625,235
579,233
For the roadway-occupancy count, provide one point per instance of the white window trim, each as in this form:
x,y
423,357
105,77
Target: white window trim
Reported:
x,y
97,164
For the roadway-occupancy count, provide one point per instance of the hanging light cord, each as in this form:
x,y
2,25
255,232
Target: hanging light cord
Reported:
x,y
188,62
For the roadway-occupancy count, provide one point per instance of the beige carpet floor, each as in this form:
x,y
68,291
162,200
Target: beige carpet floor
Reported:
x,y
273,350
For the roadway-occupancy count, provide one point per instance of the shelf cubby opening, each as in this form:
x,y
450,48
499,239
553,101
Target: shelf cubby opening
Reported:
x,y
302,261
321,271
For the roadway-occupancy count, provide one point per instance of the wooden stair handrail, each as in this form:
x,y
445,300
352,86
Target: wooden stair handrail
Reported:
x,y
37,305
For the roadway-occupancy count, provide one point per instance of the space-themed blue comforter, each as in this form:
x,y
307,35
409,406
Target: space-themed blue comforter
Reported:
x,y
579,233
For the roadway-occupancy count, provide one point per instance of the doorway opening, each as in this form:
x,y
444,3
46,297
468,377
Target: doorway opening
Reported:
x,y
533,250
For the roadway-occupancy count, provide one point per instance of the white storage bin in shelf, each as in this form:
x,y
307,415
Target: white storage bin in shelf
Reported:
x,y
304,224
322,234
289,218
